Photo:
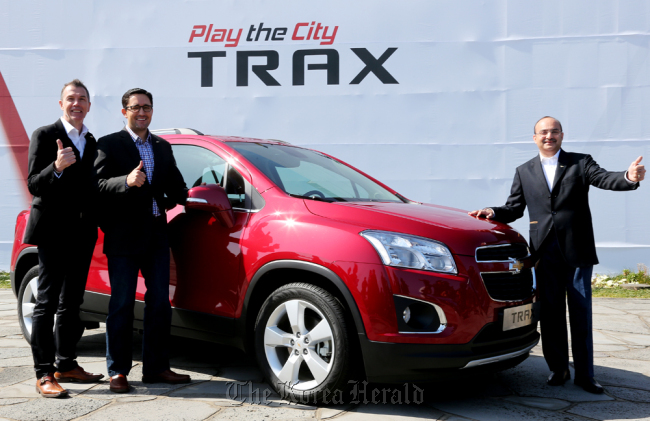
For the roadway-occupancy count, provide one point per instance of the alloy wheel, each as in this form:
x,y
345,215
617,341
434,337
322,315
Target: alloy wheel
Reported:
x,y
298,345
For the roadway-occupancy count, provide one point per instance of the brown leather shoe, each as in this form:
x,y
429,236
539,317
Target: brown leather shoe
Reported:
x,y
119,384
48,387
78,375
167,376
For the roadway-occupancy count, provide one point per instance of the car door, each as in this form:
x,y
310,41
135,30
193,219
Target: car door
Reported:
x,y
206,257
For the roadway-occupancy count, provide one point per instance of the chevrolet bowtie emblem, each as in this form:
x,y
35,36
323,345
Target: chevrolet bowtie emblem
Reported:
x,y
515,265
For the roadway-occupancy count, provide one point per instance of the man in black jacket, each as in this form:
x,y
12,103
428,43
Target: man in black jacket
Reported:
x,y
138,179
555,187
62,224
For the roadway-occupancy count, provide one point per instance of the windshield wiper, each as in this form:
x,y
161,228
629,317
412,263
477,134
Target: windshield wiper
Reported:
x,y
314,197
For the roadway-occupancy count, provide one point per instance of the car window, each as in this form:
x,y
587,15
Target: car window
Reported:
x,y
199,165
306,173
363,193
236,188
308,177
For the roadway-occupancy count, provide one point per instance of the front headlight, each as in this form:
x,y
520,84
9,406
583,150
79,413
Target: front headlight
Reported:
x,y
413,252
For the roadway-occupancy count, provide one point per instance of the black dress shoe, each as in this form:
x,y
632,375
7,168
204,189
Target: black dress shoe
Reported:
x,y
167,376
558,378
589,385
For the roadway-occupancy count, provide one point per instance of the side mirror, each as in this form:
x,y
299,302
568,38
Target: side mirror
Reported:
x,y
211,198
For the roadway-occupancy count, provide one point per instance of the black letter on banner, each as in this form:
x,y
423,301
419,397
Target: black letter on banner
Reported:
x,y
206,65
272,62
374,65
332,65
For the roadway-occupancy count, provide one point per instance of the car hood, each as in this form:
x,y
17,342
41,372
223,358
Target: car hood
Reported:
x,y
454,227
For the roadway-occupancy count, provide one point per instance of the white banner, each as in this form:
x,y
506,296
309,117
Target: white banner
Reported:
x,y
435,98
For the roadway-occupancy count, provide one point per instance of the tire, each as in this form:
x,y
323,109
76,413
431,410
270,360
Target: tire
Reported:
x,y
27,301
309,361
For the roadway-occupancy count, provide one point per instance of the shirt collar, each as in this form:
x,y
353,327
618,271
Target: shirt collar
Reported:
x,y
136,138
550,161
69,128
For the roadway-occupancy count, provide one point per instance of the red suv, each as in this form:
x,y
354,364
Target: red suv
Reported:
x,y
323,272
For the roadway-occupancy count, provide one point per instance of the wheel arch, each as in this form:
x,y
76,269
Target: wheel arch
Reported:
x,y
274,274
27,259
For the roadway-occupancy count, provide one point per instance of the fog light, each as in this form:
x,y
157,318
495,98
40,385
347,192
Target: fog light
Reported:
x,y
418,316
407,314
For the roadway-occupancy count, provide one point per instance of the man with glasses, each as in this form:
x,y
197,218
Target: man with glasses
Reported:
x,y
63,225
138,180
555,186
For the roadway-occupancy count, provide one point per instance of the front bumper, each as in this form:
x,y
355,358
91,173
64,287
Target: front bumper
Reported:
x,y
490,351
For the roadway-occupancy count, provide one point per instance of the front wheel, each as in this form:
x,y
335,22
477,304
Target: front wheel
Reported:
x,y
302,344
27,301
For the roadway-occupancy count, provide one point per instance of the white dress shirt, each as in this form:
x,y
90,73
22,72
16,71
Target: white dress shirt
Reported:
x,y
550,166
79,139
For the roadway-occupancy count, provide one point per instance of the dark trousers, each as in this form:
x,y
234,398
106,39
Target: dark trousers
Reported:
x,y
62,274
557,280
123,274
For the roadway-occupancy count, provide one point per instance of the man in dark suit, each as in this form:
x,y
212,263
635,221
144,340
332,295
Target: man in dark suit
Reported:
x,y
138,179
555,187
62,224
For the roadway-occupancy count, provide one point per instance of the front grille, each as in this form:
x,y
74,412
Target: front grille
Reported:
x,y
502,253
508,286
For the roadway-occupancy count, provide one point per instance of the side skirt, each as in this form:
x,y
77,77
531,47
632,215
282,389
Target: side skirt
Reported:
x,y
185,323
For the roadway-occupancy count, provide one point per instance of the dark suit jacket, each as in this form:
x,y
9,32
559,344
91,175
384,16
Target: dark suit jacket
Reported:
x,y
64,205
565,208
127,214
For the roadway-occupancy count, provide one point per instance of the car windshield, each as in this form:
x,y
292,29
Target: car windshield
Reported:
x,y
311,175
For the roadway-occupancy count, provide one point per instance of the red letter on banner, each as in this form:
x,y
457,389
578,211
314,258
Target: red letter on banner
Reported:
x,y
218,35
295,36
234,41
207,35
329,38
195,33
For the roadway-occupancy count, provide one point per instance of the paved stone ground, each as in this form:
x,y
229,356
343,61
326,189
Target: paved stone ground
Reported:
x,y
227,385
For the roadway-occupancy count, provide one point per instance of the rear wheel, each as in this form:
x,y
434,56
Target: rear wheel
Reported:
x,y
302,344
27,301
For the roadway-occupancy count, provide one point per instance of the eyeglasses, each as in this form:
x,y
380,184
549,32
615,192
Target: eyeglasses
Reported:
x,y
554,132
137,108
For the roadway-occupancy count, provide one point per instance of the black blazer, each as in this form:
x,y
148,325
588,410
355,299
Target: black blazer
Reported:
x,y
127,214
565,208
64,205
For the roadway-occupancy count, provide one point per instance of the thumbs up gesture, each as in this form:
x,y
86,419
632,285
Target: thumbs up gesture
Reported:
x,y
636,172
64,157
137,177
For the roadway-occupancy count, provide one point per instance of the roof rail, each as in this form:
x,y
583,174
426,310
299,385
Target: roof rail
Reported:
x,y
176,131
279,141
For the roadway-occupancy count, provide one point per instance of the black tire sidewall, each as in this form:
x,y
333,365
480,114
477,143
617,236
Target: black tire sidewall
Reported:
x,y
333,313
31,274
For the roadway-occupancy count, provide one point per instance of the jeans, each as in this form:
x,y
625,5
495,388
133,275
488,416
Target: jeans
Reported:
x,y
123,274
558,280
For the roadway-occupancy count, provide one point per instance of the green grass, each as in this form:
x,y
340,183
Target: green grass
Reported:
x,y
600,287
620,293
640,277
4,280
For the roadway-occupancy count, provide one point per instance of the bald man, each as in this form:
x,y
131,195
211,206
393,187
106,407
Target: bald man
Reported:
x,y
555,186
